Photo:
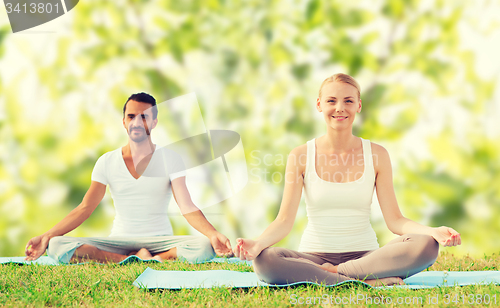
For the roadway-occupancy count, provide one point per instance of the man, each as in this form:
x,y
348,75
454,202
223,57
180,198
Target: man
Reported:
x,y
141,226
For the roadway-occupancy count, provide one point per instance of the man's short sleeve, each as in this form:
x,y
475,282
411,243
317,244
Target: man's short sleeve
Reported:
x,y
176,167
99,172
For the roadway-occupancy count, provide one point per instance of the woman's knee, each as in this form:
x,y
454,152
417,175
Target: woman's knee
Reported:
x,y
266,260
425,247
431,248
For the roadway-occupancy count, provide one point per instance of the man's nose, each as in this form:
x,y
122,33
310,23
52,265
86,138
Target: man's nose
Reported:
x,y
137,121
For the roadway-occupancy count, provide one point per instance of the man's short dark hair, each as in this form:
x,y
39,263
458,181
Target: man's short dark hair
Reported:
x,y
142,98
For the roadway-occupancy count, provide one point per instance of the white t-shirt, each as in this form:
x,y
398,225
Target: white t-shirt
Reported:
x,y
140,204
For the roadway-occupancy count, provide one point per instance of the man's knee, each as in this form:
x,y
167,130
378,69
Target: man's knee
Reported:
x,y
206,249
199,249
60,248
55,243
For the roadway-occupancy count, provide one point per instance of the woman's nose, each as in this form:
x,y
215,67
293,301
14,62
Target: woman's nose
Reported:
x,y
339,107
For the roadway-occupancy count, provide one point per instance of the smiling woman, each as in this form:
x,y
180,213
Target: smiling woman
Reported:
x,y
339,243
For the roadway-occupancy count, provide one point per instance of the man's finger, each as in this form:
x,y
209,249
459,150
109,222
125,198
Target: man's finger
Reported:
x,y
228,244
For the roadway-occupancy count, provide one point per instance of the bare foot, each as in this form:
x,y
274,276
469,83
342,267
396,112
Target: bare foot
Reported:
x,y
329,267
325,266
158,258
144,254
388,281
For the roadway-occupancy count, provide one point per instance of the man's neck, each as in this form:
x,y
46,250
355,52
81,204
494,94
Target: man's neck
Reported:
x,y
140,149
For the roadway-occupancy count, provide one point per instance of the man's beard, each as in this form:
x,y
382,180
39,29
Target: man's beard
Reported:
x,y
139,138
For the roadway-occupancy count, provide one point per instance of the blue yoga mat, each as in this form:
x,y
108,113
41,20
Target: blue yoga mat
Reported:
x,y
45,260
153,279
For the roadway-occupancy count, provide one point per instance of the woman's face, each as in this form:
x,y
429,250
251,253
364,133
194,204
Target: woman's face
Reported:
x,y
339,104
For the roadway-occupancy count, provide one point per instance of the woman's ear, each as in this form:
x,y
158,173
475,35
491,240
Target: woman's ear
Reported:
x,y
318,106
359,107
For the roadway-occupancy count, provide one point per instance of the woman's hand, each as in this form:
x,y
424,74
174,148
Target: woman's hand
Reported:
x,y
247,249
36,247
446,236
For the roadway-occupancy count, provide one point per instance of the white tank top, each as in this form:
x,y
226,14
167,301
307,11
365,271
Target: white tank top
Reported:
x,y
338,213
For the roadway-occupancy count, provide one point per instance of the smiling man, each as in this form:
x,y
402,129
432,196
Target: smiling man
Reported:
x,y
141,226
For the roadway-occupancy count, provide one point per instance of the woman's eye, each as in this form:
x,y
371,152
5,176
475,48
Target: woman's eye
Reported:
x,y
349,101
331,101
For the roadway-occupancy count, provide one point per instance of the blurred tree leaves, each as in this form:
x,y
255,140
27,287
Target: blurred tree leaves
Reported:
x,y
256,67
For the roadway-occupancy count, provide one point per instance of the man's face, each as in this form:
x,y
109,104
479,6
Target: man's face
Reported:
x,y
138,120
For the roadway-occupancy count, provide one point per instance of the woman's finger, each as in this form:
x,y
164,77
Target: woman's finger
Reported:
x,y
242,253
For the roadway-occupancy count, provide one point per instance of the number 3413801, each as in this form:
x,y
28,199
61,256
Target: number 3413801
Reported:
x,y
32,8
470,299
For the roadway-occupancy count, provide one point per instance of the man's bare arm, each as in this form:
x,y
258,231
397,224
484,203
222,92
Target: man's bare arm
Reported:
x,y
37,245
196,219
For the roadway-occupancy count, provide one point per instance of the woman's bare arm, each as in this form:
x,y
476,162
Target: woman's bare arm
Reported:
x,y
396,222
249,249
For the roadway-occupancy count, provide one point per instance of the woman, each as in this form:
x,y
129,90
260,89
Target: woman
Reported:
x,y
339,173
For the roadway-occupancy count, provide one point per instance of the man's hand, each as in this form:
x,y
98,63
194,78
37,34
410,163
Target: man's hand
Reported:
x,y
446,236
221,245
36,247
247,249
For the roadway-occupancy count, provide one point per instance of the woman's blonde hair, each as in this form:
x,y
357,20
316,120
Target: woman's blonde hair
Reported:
x,y
344,78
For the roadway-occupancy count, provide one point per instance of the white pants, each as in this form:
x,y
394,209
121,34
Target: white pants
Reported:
x,y
193,249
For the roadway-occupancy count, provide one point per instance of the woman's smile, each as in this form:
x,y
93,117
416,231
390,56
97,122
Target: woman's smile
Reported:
x,y
340,118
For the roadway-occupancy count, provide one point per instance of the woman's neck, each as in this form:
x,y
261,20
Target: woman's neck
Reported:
x,y
339,141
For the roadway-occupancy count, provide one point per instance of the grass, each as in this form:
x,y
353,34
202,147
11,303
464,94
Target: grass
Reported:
x,y
94,285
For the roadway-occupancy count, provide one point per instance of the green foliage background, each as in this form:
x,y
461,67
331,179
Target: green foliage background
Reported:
x,y
256,67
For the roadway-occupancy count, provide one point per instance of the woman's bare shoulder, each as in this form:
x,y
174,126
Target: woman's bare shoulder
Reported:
x,y
301,149
378,149
380,155
298,156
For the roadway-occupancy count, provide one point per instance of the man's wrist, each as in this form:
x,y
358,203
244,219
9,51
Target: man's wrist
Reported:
x,y
212,233
48,235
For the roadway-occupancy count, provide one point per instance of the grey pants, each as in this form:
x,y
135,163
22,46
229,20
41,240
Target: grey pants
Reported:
x,y
191,248
401,257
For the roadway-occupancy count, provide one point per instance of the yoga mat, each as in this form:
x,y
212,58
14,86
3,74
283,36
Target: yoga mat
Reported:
x,y
20,260
44,260
153,279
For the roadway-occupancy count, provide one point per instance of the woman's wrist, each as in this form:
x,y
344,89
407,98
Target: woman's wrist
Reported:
x,y
433,231
260,246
